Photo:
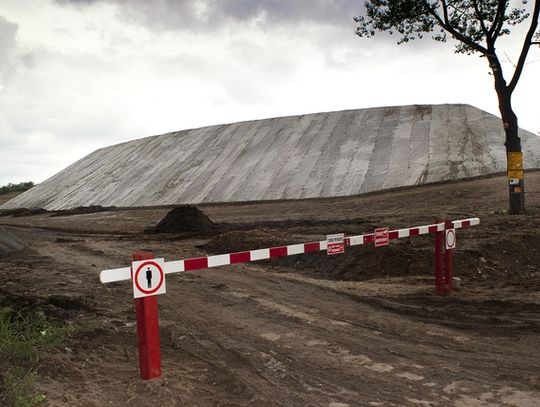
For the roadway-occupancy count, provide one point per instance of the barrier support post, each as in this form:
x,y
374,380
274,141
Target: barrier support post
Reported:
x,y
449,262
146,309
439,243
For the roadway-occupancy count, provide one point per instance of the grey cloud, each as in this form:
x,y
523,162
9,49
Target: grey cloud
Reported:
x,y
321,11
78,2
212,14
8,34
9,58
29,60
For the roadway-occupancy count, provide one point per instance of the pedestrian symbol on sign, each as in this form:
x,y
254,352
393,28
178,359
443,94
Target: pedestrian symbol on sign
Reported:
x,y
148,277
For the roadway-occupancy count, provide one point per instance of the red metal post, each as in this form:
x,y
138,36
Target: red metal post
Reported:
x,y
439,242
148,330
449,262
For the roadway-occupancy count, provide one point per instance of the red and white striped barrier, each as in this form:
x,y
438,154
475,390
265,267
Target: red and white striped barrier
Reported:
x,y
124,273
149,274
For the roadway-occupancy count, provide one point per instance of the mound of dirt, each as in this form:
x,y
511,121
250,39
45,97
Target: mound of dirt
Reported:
x,y
9,243
493,255
357,264
184,219
240,240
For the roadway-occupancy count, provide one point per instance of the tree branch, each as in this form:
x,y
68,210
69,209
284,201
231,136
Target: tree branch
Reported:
x,y
445,11
480,18
526,46
446,26
498,21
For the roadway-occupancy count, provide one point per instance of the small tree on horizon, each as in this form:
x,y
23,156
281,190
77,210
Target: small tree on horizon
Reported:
x,y
476,26
20,187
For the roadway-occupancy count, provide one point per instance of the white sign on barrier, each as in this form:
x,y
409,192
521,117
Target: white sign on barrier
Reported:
x,y
450,237
335,244
148,277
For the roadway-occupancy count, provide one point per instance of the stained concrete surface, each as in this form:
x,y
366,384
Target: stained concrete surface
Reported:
x,y
310,156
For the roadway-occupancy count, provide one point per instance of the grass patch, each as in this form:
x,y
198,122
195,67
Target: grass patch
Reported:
x,y
23,338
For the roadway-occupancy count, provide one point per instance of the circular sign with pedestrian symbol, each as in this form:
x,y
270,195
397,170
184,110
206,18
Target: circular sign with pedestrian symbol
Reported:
x,y
148,277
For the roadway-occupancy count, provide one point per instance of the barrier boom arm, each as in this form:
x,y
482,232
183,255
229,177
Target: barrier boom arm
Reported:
x,y
124,273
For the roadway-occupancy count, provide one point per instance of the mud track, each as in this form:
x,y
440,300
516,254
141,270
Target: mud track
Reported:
x,y
362,330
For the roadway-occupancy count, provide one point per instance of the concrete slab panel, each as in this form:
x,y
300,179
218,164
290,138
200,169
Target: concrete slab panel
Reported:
x,y
315,155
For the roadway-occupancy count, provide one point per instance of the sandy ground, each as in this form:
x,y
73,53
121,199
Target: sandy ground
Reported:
x,y
362,329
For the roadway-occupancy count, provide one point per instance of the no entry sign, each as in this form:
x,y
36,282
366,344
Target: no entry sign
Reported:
x,y
148,277
381,237
335,244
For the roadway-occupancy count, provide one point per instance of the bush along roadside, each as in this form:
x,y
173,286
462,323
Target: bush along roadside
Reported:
x,y
23,338
20,187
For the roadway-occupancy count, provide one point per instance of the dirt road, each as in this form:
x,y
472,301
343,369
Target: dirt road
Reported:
x,y
364,329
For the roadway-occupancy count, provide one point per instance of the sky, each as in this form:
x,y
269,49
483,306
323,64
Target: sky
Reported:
x,y
78,75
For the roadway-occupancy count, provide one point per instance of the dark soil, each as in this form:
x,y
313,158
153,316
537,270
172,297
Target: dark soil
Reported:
x,y
9,243
22,212
184,219
402,258
510,258
360,329
83,209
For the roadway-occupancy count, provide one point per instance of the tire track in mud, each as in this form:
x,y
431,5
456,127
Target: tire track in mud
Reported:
x,y
264,334
390,352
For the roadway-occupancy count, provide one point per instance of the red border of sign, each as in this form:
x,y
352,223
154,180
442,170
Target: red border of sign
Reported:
x,y
162,275
448,233
335,248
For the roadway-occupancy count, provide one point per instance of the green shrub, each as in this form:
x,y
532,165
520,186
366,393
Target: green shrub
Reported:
x,y
20,187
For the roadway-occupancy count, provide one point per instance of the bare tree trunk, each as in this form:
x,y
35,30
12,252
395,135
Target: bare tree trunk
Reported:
x,y
514,155
514,161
